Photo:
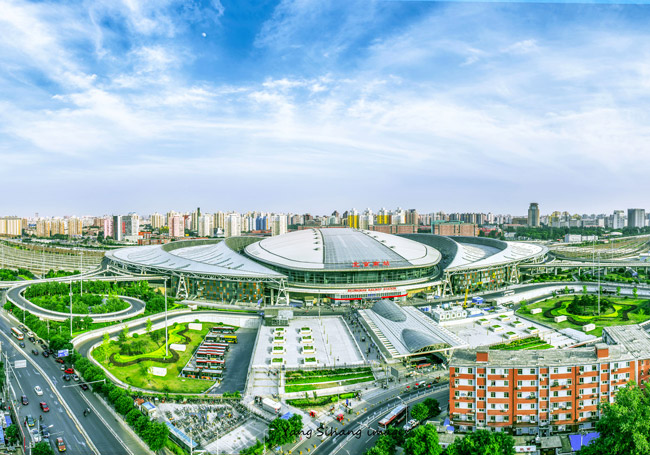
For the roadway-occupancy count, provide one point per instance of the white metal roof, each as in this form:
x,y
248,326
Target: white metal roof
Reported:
x,y
471,256
214,258
341,248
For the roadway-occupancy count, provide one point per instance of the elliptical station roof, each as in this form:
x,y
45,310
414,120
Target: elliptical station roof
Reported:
x,y
342,249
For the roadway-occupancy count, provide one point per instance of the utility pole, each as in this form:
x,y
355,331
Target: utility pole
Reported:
x,y
598,283
166,347
70,307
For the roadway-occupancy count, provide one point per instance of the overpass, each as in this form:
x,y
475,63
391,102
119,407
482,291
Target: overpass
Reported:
x,y
557,265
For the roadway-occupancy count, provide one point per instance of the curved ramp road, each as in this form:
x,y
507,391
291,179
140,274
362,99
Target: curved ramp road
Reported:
x,y
15,295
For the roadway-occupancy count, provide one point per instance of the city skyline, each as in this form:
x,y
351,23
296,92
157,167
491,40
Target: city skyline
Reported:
x,y
124,105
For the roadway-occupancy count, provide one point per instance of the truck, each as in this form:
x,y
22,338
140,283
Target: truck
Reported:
x,y
271,406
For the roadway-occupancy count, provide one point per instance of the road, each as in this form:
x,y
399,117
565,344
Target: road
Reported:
x,y
361,433
15,295
108,435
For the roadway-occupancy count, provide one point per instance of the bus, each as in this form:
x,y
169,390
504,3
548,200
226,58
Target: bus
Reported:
x,y
395,416
222,330
230,338
508,292
17,333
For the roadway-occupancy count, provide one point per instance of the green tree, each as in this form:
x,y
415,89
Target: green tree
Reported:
x,y
149,326
296,424
397,434
133,416
279,432
433,406
618,291
42,448
124,405
124,334
155,435
422,440
106,338
624,425
12,433
141,425
634,292
420,412
255,449
483,442
584,289
376,451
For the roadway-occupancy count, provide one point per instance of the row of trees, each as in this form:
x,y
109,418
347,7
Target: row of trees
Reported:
x,y
93,292
14,275
428,408
153,433
281,431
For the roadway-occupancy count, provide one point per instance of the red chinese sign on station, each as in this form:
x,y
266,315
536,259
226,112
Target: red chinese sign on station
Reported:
x,y
370,263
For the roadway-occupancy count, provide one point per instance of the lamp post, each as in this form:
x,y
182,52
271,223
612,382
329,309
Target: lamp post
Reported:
x,y
71,308
82,273
166,347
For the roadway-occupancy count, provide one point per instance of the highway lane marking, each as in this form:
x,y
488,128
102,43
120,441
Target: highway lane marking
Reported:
x,y
68,410
98,414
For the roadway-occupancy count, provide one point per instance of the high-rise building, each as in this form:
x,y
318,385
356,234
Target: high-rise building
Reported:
x,y
75,226
118,228
219,220
533,214
279,225
353,219
11,226
107,224
412,217
157,221
636,218
57,226
131,225
196,216
205,226
233,225
176,226
43,228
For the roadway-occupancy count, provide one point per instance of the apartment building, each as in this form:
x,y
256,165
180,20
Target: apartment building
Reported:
x,y
548,391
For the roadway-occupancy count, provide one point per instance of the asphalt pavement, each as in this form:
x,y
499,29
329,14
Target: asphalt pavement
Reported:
x,y
108,434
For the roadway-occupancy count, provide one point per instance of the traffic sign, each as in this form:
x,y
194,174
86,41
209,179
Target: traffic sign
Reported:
x,y
62,353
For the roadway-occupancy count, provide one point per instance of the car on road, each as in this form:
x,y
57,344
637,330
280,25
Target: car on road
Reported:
x,y
60,360
363,339
32,339
36,437
24,400
83,386
29,421
75,377
69,371
46,354
60,444
44,406
22,328
30,334
35,351
22,344
38,390
62,367
66,377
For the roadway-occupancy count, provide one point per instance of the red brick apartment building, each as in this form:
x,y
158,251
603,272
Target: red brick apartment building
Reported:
x,y
545,391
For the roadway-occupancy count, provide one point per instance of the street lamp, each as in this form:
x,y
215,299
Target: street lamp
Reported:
x,y
81,292
70,307
166,348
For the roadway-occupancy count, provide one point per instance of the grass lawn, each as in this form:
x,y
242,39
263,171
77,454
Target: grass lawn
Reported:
x,y
640,313
138,375
325,385
341,377
531,343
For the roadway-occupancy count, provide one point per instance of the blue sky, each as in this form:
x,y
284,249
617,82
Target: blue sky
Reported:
x,y
112,107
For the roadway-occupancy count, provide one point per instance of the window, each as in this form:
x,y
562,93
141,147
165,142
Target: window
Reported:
x,y
555,370
470,370
519,383
532,371
520,371
492,371
506,394
568,370
507,371
493,395
505,383
518,394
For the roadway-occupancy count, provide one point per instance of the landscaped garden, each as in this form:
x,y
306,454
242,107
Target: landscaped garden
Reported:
x,y
320,401
303,381
582,309
130,358
530,343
